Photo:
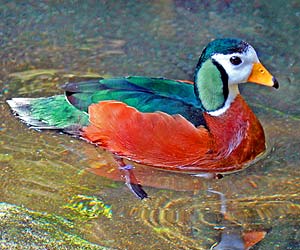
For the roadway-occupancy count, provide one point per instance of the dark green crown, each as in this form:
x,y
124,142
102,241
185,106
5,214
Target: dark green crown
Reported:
x,y
222,46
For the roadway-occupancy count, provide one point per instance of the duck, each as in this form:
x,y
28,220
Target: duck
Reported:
x,y
196,126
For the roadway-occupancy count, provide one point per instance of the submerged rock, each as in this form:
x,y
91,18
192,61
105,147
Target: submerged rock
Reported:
x,y
21,228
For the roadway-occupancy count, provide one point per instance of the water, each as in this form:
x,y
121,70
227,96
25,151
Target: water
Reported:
x,y
44,44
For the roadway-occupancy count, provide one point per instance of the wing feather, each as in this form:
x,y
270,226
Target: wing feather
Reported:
x,y
156,139
143,93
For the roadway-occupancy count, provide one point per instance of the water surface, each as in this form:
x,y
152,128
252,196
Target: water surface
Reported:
x,y
44,44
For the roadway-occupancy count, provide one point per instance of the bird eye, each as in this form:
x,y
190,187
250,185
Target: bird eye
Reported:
x,y
235,60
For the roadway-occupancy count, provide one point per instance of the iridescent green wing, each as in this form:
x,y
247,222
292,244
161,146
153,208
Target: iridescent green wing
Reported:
x,y
145,94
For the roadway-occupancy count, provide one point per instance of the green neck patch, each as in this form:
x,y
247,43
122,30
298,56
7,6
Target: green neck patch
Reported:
x,y
211,85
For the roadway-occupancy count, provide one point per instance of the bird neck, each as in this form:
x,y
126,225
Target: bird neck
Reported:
x,y
233,92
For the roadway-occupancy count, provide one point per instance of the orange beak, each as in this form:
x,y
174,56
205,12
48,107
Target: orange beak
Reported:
x,y
262,76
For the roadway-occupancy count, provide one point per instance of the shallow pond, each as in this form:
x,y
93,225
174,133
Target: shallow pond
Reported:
x,y
51,179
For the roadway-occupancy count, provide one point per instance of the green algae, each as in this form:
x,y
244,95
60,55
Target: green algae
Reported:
x,y
34,81
31,74
88,207
26,229
6,157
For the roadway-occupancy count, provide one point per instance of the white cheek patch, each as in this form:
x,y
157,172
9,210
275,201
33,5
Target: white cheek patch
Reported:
x,y
238,73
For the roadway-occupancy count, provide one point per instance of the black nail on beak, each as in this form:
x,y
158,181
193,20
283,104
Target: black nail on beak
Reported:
x,y
276,84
